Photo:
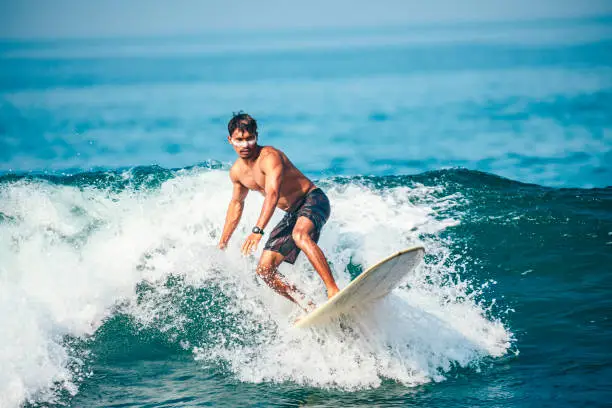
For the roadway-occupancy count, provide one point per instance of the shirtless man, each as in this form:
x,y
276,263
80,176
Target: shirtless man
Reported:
x,y
269,171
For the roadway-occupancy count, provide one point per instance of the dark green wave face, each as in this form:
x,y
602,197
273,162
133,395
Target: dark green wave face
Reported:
x,y
115,294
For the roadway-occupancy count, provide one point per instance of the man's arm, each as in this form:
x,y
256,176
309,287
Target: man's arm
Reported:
x,y
272,166
234,210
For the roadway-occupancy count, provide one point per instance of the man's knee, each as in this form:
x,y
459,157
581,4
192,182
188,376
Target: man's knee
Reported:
x,y
263,270
301,238
266,272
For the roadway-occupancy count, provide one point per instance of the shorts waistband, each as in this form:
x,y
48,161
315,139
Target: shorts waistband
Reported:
x,y
302,200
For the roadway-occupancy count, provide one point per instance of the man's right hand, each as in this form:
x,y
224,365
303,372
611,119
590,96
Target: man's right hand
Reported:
x,y
222,245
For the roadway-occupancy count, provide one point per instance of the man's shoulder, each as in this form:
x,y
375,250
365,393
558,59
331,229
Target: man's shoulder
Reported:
x,y
270,153
235,170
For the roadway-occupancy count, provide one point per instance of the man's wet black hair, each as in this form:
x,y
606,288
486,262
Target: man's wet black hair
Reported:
x,y
242,121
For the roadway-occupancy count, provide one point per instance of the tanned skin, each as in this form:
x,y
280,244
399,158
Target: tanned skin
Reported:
x,y
269,171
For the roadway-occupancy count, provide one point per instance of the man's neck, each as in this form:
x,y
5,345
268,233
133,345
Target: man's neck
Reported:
x,y
251,160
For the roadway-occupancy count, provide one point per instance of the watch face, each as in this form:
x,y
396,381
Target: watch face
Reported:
x,y
257,230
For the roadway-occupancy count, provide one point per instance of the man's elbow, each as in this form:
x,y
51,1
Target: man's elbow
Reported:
x,y
237,204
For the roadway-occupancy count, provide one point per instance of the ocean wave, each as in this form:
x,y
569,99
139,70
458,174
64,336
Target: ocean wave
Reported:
x,y
90,258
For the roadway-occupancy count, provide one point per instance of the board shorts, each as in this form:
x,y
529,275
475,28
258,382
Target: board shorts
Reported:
x,y
314,206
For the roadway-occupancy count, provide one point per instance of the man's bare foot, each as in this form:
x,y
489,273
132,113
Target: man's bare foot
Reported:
x,y
303,302
332,292
309,308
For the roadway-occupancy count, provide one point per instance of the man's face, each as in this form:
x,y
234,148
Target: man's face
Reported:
x,y
243,143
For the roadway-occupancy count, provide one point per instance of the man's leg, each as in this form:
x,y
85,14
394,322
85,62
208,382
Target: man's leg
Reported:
x,y
301,236
268,271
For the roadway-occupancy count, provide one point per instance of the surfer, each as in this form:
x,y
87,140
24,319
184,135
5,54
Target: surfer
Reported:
x,y
269,171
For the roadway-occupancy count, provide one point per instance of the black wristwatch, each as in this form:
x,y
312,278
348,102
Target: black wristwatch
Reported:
x,y
257,230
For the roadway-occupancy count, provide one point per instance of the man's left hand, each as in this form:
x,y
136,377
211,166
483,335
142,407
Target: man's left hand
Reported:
x,y
250,244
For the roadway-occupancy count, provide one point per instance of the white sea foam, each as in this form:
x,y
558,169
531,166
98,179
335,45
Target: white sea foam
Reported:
x,y
414,336
68,256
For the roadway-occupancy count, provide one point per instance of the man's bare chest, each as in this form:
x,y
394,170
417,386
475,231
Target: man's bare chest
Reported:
x,y
253,179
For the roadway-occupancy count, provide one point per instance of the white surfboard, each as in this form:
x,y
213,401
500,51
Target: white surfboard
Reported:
x,y
376,282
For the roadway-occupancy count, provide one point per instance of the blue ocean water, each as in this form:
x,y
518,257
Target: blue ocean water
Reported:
x,y
490,144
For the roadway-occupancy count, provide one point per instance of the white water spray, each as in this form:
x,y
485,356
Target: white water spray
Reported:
x,y
69,255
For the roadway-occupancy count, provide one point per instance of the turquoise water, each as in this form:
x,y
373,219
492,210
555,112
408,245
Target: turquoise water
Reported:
x,y
489,145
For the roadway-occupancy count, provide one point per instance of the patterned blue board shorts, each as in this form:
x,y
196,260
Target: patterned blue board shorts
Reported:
x,y
315,206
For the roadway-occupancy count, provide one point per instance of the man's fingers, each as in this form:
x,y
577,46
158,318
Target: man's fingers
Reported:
x,y
249,246
246,247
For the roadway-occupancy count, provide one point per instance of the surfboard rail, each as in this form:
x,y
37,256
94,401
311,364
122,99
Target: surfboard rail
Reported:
x,y
340,303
